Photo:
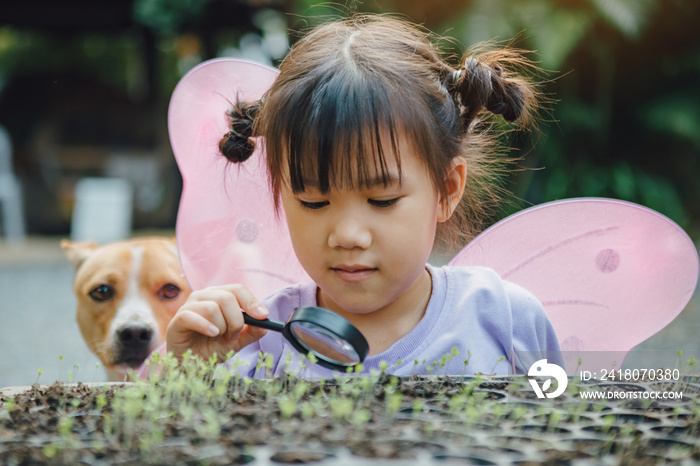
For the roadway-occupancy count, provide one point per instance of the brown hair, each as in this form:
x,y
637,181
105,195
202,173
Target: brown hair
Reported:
x,y
349,84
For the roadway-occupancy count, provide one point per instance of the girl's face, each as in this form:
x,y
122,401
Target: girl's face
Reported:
x,y
366,248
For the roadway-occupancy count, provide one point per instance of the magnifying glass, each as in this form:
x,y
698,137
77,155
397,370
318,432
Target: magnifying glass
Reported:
x,y
335,342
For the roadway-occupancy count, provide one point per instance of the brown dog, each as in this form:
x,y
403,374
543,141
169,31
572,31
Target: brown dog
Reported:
x,y
127,294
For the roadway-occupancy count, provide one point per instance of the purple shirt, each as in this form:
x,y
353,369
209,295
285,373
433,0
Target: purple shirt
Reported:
x,y
472,313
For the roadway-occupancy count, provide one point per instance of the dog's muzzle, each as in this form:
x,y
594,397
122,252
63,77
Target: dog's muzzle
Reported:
x,y
133,344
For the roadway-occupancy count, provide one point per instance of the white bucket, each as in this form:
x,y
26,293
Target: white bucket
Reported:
x,y
102,212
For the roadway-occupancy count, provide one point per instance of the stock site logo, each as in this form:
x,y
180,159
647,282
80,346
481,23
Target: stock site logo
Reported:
x,y
543,369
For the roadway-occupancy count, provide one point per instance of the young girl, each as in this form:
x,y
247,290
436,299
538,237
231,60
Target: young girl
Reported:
x,y
375,145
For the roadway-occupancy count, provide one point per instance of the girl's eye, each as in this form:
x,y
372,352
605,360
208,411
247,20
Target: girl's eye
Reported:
x,y
169,291
102,293
383,203
313,205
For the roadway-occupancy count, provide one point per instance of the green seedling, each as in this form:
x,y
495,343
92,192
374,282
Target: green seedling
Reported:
x,y
196,393
101,401
148,446
94,376
679,355
307,410
361,417
9,405
36,382
499,360
415,366
466,362
50,450
341,409
555,418
417,406
383,366
394,402
210,428
288,407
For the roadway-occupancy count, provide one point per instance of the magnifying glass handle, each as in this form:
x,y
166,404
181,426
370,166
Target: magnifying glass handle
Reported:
x,y
265,323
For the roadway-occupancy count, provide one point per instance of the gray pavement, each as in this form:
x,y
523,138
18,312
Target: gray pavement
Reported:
x,y
37,321
37,317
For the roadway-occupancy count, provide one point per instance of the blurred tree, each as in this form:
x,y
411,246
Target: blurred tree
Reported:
x,y
627,110
190,31
169,16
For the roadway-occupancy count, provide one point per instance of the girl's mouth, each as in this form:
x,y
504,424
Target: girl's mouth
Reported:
x,y
353,273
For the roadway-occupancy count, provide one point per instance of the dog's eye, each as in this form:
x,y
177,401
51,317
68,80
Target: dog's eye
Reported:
x,y
102,293
169,291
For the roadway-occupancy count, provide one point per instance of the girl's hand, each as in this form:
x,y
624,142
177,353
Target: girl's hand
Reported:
x,y
211,321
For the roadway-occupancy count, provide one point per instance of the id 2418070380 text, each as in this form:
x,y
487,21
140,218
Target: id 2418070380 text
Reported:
x,y
632,375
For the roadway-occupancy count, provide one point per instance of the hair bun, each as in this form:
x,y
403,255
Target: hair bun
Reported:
x,y
481,84
237,145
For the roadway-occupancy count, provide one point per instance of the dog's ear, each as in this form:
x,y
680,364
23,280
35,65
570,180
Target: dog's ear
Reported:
x,y
77,252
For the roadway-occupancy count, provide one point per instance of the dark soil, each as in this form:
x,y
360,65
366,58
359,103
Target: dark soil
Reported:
x,y
427,421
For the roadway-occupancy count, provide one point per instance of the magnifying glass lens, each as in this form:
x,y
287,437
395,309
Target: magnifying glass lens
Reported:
x,y
324,343
335,341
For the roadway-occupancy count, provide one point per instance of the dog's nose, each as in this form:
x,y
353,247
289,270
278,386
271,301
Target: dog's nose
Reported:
x,y
134,341
135,335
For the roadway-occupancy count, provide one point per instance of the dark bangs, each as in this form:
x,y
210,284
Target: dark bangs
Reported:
x,y
335,131
336,128
338,112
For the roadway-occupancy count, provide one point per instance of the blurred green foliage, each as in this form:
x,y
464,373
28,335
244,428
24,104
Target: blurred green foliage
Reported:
x,y
623,77
625,121
24,53
169,16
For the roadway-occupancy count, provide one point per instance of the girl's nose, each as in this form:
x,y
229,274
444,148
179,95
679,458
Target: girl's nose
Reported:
x,y
349,233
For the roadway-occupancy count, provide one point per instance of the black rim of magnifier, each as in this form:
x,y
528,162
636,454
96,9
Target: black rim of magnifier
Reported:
x,y
323,318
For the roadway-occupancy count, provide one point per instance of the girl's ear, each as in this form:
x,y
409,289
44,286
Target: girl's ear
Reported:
x,y
454,188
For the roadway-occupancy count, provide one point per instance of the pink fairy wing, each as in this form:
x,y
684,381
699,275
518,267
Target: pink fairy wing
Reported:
x,y
227,230
609,273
